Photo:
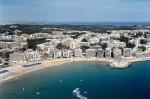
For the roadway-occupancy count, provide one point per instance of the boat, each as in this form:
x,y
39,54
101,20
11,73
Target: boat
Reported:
x,y
76,92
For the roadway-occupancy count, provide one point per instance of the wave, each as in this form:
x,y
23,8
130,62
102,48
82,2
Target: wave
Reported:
x,y
76,92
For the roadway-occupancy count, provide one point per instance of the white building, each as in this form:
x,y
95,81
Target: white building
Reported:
x,y
57,54
127,52
38,36
28,56
75,44
90,53
94,40
108,53
148,35
11,45
117,53
115,34
100,53
67,53
78,52
50,52
117,44
84,43
104,36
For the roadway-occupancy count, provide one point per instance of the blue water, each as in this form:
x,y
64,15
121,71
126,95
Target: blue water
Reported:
x,y
95,81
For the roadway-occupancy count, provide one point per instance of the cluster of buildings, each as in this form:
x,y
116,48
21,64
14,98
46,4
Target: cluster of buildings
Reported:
x,y
62,44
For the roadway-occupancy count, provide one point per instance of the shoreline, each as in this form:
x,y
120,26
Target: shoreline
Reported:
x,y
20,71
17,71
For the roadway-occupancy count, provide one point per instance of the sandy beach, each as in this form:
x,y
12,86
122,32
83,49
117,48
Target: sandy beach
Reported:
x,y
15,71
19,70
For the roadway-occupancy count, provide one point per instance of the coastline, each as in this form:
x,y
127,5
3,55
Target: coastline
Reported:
x,y
20,71
17,71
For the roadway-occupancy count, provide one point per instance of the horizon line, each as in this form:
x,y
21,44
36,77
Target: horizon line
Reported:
x,y
73,22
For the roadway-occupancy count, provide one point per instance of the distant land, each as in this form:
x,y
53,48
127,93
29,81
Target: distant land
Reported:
x,y
79,23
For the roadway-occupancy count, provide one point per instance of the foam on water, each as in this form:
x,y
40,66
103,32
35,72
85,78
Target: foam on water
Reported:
x,y
37,93
76,92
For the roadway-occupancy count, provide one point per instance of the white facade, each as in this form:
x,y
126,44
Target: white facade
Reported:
x,y
84,43
90,53
108,53
117,44
117,53
67,53
100,53
75,44
18,57
57,54
78,53
11,45
94,40
127,52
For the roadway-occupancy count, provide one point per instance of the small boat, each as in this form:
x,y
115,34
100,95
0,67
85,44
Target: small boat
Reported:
x,y
37,93
60,80
76,92
22,89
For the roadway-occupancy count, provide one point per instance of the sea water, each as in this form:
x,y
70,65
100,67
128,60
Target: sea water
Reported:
x,y
81,80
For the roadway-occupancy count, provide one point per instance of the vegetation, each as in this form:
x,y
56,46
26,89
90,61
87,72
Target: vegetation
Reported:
x,y
84,48
7,40
84,40
30,29
126,40
130,45
75,35
104,46
33,42
142,48
61,46
138,35
143,41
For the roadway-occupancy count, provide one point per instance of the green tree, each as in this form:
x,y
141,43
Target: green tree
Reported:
x,y
130,45
142,48
61,46
33,42
143,41
84,40
124,39
84,48
104,46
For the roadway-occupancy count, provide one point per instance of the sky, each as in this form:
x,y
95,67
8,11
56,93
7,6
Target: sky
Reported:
x,y
74,10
